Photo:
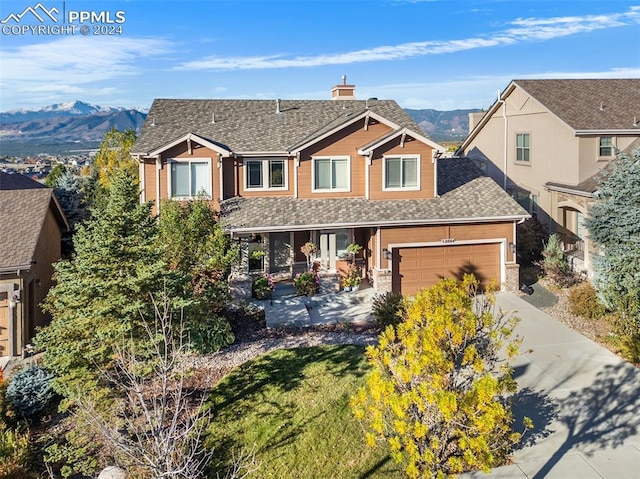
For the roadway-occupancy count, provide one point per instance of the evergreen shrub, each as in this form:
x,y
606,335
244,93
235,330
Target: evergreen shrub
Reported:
x,y
388,309
583,301
30,391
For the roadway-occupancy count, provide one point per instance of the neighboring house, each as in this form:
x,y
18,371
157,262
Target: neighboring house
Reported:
x,y
334,172
31,225
545,142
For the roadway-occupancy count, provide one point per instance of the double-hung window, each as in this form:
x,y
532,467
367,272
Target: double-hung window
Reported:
x,y
523,148
331,174
265,174
189,178
606,146
401,172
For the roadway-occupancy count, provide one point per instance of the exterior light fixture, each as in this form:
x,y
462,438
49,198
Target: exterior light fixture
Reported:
x,y
386,254
512,247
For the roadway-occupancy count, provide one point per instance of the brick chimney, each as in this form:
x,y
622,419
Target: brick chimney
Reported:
x,y
344,91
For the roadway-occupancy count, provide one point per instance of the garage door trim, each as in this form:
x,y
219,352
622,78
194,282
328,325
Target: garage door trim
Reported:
x,y
501,241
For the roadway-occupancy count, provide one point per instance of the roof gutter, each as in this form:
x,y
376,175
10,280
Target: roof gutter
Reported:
x,y
612,132
562,189
437,221
17,269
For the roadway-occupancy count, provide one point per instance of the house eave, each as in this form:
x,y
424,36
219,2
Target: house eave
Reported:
x,y
609,132
368,224
365,150
570,191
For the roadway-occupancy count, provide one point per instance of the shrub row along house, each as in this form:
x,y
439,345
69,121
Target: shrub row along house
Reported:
x,y
333,172
546,142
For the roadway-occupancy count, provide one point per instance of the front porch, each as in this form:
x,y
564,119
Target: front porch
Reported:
x,y
285,309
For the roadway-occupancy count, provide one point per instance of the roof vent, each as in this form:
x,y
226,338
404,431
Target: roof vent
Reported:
x,y
278,107
635,122
601,106
153,121
213,118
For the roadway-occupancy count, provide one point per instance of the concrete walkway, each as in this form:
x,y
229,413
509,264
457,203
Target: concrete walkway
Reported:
x,y
287,309
584,402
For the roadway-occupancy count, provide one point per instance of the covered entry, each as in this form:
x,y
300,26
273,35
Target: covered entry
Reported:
x,y
418,267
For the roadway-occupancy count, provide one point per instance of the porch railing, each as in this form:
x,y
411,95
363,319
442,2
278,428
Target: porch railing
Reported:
x,y
572,245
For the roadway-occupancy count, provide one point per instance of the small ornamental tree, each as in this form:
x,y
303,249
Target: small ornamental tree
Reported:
x,y
613,225
438,393
308,250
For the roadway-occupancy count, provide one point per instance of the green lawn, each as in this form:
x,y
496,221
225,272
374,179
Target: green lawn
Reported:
x,y
292,407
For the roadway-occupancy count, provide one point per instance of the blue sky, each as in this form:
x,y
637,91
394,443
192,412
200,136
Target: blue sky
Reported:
x,y
441,54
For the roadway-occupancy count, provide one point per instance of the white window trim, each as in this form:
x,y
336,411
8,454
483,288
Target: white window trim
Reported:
x,y
265,174
209,162
613,148
401,188
530,148
329,190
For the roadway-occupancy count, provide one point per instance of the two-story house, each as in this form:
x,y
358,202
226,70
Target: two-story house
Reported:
x,y
333,172
545,142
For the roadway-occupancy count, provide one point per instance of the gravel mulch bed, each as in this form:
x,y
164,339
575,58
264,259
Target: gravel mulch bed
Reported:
x,y
555,302
253,340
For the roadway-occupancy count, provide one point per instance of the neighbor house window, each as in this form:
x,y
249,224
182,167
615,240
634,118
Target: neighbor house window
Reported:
x,y
401,172
606,146
523,149
331,174
189,178
265,174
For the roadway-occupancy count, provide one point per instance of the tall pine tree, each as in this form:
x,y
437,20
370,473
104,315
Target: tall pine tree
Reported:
x,y
101,293
614,227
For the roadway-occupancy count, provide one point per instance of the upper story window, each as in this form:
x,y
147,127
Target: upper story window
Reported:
x,y
401,172
189,178
331,174
523,148
606,146
265,174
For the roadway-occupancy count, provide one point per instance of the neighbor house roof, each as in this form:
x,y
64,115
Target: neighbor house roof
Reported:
x,y
23,208
607,104
467,196
254,125
588,106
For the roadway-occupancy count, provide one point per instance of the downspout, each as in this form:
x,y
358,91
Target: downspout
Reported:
x,y
158,168
220,179
434,160
504,154
296,164
367,164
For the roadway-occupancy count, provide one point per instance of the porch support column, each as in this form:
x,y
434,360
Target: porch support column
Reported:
x,y
239,279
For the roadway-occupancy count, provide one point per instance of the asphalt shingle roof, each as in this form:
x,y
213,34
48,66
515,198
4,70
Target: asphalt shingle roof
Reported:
x,y
254,125
22,214
465,195
578,102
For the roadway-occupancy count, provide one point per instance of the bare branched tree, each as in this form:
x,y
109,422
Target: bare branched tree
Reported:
x,y
156,424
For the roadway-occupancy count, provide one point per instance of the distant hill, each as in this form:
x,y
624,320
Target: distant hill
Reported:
x,y
443,126
62,128
68,127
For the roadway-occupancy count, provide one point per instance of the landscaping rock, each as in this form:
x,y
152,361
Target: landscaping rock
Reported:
x,y
112,472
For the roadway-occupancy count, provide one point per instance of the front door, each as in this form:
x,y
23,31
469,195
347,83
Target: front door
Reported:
x,y
332,245
327,250
279,252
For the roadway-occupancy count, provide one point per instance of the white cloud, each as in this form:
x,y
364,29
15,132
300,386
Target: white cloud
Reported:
x,y
78,60
520,30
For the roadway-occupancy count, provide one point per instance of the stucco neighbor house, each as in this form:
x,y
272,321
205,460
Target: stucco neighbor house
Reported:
x,y
546,141
334,172
31,226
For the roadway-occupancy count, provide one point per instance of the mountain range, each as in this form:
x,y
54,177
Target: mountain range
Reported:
x,y
73,126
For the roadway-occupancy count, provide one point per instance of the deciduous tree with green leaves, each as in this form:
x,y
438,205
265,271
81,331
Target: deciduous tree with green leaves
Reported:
x,y
438,392
613,225
195,245
114,154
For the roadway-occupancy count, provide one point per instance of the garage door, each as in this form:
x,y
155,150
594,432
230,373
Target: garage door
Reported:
x,y
418,267
4,325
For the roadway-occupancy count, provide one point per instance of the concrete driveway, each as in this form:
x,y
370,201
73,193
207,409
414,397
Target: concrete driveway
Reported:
x,y
583,399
